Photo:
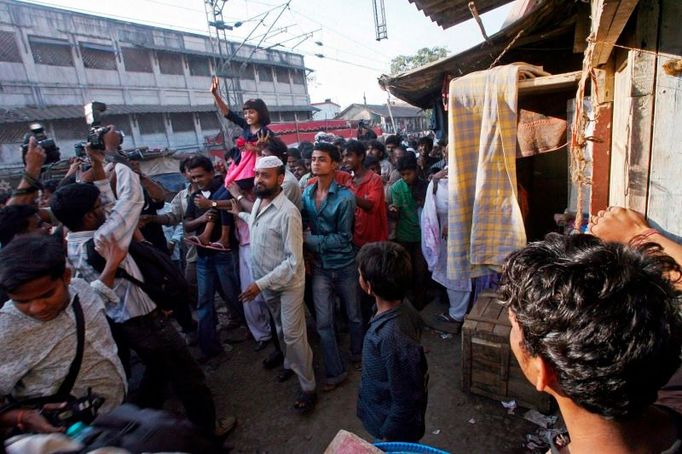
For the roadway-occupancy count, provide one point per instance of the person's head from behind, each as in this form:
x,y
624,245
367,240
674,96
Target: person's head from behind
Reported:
x,y
33,272
78,207
256,113
201,171
407,166
340,143
354,155
372,164
19,220
325,159
49,187
275,147
300,169
293,155
594,323
376,149
269,176
385,270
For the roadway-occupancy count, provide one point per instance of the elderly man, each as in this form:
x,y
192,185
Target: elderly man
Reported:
x,y
277,265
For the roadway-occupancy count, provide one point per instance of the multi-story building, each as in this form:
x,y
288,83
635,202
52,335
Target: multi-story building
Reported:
x,y
155,81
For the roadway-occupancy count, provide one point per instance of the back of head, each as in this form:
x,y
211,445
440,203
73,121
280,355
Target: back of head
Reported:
x,y
294,152
72,202
356,147
387,269
603,316
259,106
31,258
199,161
305,147
51,185
330,149
14,219
276,147
407,162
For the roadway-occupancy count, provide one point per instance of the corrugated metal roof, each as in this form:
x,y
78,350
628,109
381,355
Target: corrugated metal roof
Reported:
x,y
552,20
28,114
447,13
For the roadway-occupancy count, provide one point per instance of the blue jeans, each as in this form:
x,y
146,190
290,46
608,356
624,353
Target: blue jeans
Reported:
x,y
326,284
219,269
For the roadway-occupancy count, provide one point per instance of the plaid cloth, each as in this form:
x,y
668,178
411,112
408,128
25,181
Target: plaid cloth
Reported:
x,y
484,218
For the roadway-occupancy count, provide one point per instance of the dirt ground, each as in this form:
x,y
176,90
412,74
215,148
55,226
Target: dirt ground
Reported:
x,y
455,422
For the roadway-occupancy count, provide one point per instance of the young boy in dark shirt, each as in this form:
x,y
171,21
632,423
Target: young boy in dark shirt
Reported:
x,y
393,388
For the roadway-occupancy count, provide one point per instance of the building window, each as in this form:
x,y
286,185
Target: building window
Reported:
x,y
282,75
208,121
53,52
298,77
198,66
151,123
245,73
98,57
182,122
288,116
137,60
170,63
9,51
264,73
13,132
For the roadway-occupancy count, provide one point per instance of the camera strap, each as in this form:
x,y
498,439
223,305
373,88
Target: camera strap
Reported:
x,y
64,390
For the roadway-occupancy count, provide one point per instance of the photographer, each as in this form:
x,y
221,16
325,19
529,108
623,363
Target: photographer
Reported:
x,y
39,321
27,191
92,213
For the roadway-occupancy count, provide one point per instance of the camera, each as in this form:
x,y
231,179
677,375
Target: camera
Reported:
x,y
79,410
93,114
51,149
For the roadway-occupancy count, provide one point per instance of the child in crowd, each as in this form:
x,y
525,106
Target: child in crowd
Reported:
x,y
407,199
254,132
393,388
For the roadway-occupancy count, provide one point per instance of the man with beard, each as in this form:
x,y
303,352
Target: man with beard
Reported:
x,y
277,265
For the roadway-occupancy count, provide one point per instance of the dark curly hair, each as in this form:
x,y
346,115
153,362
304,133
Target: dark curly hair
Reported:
x,y
604,316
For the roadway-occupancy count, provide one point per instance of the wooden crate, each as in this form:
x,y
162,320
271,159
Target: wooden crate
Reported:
x,y
489,367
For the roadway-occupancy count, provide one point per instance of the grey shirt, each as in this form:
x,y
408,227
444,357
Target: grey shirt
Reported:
x,y
291,188
36,355
276,245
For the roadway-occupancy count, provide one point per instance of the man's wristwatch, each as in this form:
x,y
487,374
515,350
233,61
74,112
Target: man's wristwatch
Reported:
x,y
214,204
239,198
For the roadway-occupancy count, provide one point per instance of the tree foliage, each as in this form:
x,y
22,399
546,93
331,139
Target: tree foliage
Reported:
x,y
425,55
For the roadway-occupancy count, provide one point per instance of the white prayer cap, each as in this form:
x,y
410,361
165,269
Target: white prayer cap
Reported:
x,y
268,162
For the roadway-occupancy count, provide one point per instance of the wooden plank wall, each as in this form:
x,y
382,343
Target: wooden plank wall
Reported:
x,y
665,177
633,112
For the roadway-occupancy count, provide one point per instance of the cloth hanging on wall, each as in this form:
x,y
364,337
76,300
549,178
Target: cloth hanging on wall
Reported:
x,y
484,219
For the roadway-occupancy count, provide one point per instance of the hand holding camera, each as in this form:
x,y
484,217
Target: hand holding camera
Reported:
x,y
35,156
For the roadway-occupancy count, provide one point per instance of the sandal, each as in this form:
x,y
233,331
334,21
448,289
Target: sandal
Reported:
x,y
217,247
194,241
305,402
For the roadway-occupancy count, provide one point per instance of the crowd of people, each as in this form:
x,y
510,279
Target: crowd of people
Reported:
x,y
336,231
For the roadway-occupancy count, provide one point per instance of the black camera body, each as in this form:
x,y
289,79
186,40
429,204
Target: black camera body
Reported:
x,y
48,145
93,114
79,410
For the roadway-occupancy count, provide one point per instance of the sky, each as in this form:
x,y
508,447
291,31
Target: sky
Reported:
x,y
353,59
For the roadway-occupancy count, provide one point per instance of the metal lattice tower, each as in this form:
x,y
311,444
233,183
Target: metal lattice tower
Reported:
x,y
217,30
380,19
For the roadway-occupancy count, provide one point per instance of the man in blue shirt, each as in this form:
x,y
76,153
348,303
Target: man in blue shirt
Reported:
x,y
328,214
